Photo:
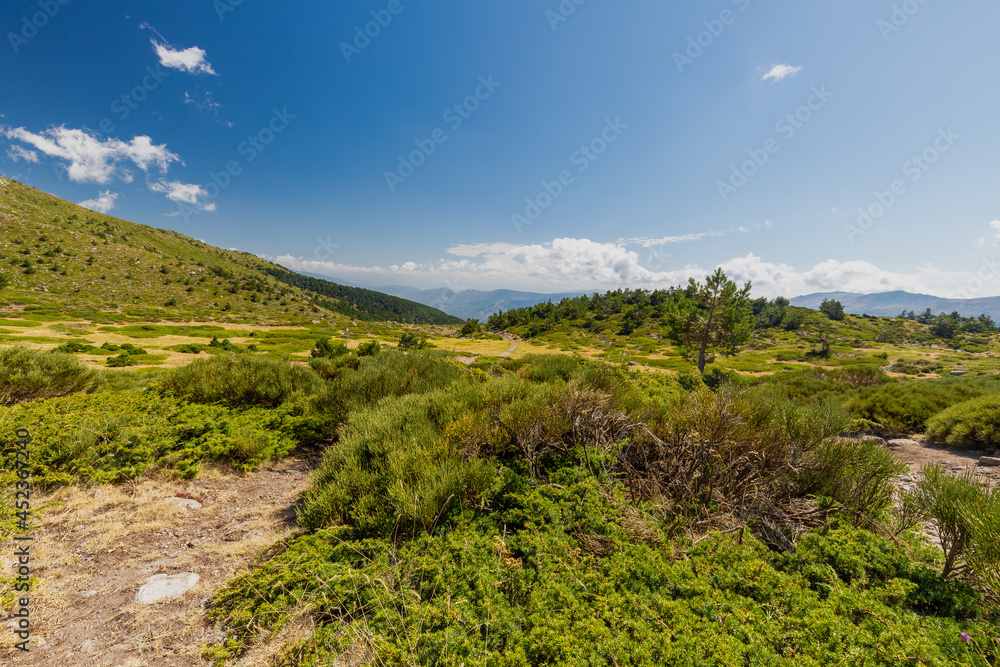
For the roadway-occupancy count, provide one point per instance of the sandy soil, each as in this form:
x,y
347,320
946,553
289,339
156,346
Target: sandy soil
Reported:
x,y
94,547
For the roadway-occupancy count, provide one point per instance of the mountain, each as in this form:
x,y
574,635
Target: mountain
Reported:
x,y
473,303
893,303
61,258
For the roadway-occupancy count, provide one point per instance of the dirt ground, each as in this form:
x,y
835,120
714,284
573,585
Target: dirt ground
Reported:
x,y
94,547
953,460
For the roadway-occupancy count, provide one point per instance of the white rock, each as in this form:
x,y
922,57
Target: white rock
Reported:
x,y
162,586
903,442
185,502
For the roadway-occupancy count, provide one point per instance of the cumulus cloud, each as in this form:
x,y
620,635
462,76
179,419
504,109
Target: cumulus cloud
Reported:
x,y
20,153
995,226
191,194
102,203
92,160
779,72
191,60
570,264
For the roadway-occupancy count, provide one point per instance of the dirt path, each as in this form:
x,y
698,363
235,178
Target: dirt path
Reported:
x,y
916,454
513,345
95,547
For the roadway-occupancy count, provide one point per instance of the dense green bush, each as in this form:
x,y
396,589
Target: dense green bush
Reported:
x,y
392,468
974,424
27,374
241,380
110,437
564,574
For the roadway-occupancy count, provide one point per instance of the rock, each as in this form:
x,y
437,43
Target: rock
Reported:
x,y
162,586
185,502
959,371
990,461
903,442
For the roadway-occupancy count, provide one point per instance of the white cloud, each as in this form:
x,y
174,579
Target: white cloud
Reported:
x,y
779,72
191,60
995,225
184,193
20,153
981,242
568,264
103,203
92,160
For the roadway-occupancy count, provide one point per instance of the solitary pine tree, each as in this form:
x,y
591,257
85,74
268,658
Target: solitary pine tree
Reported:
x,y
717,315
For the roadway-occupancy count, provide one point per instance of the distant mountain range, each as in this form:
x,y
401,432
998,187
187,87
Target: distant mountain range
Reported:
x,y
473,303
893,303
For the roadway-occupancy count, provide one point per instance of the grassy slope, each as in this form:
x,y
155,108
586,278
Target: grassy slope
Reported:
x,y
60,256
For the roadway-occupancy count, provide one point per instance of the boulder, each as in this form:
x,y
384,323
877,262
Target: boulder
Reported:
x,y
186,503
903,442
162,586
990,461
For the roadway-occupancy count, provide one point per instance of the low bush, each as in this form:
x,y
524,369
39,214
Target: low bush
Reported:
x,y
27,374
241,380
110,437
972,424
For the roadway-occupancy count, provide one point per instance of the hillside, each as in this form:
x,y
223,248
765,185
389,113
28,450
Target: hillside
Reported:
x,y
57,256
891,304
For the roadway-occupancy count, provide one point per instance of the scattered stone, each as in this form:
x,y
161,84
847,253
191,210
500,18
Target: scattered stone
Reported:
x,y
990,461
903,442
185,502
162,586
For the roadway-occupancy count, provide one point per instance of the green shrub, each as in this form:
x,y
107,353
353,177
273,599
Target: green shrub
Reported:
x,y
240,380
30,374
369,349
855,473
949,502
122,360
973,424
325,348
392,468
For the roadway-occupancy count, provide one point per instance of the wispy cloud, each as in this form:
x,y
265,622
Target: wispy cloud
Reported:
x,y
20,153
184,193
92,160
191,60
103,203
779,72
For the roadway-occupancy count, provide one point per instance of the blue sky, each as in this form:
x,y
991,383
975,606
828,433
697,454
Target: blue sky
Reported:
x,y
544,145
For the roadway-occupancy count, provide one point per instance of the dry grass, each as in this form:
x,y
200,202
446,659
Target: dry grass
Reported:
x,y
94,547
